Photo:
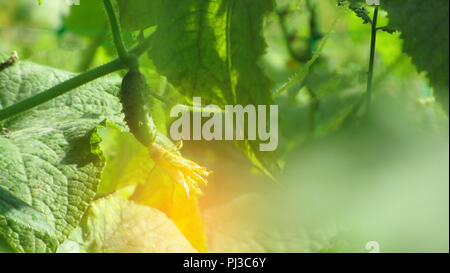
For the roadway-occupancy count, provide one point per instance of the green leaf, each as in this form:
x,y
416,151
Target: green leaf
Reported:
x,y
425,30
138,14
257,223
74,243
300,76
131,171
87,19
114,224
212,49
361,12
50,156
17,216
4,246
358,7
128,160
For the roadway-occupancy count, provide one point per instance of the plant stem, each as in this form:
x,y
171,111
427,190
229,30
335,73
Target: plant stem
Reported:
x,y
116,32
70,84
372,57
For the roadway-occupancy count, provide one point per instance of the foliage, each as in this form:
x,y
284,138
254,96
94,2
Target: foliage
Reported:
x,y
140,15
114,224
86,164
51,163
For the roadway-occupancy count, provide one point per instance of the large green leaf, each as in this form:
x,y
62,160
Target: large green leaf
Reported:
x,y
50,163
424,28
211,49
16,215
114,224
87,19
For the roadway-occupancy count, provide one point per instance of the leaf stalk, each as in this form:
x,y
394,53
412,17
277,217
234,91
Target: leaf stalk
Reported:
x,y
372,57
116,32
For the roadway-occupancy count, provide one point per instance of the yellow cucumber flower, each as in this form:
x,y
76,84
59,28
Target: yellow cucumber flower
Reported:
x,y
181,170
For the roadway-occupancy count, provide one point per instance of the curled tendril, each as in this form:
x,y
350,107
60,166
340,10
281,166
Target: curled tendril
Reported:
x,y
184,172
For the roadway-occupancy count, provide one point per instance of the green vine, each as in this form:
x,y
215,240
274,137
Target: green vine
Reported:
x,y
115,29
125,60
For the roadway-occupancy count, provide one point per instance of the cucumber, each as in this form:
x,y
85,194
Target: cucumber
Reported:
x,y
136,106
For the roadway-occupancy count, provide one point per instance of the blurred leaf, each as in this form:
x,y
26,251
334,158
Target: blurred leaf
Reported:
x,y
211,49
304,71
384,178
162,193
138,14
159,85
23,226
87,19
114,224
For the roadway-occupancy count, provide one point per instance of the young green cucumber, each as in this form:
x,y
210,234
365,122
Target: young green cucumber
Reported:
x,y
137,108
